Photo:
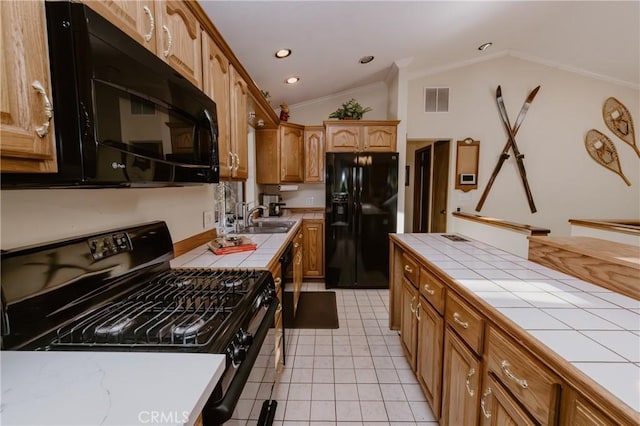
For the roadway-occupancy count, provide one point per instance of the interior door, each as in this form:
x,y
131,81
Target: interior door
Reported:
x,y
422,189
440,186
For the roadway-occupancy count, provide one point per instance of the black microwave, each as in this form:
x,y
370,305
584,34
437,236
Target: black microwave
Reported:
x,y
123,117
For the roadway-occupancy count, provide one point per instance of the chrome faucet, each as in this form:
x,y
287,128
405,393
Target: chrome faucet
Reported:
x,y
249,218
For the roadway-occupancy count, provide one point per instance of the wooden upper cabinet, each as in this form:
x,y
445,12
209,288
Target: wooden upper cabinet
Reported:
x,y
372,136
343,138
134,17
178,39
26,127
314,154
216,84
291,153
239,125
380,138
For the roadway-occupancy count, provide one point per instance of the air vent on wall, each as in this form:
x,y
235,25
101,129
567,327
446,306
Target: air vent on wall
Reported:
x,y
436,99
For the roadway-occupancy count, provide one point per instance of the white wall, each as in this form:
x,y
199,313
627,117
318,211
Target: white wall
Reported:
x,y
314,112
565,182
37,216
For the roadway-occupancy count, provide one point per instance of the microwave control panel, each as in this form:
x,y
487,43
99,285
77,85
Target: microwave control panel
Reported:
x,y
109,245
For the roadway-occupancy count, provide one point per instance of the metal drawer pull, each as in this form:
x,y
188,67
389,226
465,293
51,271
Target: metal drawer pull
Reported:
x,y
428,290
152,23
279,308
485,413
237,166
42,131
169,41
232,160
456,318
408,269
418,311
413,311
468,384
505,369
277,281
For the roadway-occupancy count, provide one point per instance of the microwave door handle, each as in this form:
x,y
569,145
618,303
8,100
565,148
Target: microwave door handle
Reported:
x,y
213,152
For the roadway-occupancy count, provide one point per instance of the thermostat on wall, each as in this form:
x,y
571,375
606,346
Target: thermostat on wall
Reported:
x,y
467,178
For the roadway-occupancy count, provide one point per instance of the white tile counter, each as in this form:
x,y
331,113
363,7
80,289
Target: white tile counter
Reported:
x,y
109,388
269,245
592,328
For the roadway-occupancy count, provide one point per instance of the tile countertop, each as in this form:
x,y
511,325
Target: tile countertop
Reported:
x,y
269,245
594,329
110,388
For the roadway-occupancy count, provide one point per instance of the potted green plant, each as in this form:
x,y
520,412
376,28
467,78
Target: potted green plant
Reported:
x,y
350,110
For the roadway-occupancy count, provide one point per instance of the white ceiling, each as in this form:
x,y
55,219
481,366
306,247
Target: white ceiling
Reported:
x,y
329,37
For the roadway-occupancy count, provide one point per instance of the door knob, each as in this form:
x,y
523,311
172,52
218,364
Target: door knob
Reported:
x,y
443,211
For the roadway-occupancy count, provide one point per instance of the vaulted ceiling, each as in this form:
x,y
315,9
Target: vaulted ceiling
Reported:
x,y
329,37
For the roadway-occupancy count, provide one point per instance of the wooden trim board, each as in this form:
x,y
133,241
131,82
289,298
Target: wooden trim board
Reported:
x,y
527,229
188,244
608,264
624,226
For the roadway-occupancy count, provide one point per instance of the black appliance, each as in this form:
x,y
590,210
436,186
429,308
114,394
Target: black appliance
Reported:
x,y
286,275
361,207
115,291
123,117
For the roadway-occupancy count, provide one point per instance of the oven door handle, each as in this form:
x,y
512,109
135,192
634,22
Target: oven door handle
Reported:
x,y
219,411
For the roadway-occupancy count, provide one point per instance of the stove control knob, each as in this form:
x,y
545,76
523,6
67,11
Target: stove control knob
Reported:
x,y
245,338
238,354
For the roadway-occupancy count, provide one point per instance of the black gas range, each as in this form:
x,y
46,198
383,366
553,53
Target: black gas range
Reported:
x,y
116,291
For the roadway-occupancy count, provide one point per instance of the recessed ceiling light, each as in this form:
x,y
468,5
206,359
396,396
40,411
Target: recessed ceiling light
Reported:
x,y
366,59
292,80
283,53
485,46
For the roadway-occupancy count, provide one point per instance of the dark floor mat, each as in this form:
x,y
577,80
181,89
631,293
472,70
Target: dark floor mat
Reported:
x,y
316,309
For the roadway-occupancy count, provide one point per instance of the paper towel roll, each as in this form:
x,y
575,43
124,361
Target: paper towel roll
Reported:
x,y
287,187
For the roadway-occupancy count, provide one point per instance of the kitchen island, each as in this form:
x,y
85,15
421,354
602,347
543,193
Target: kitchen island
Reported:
x,y
492,332
108,388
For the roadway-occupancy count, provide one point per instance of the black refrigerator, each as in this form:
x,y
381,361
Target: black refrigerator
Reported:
x,y
360,212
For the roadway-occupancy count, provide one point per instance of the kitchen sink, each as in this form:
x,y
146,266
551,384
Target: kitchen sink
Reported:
x,y
267,227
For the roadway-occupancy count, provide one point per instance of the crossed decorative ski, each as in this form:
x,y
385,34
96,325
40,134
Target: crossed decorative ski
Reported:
x,y
511,143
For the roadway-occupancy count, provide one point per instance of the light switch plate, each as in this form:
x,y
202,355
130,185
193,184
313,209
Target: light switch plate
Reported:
x,y
208,218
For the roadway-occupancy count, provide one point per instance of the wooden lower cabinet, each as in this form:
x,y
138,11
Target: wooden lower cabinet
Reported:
x,y
409,322
498,408
313,253
429,355
461,383
578,411
276,272
297,269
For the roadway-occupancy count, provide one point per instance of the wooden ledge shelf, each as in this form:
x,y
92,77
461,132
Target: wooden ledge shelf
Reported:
x,y
513,226
608,264
631,227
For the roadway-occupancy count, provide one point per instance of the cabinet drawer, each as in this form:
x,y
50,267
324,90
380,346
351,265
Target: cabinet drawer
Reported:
x,y
466,322
410,269
433,290
535,387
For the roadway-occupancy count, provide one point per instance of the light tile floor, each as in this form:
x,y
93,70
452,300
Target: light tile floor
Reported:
x,y
354,375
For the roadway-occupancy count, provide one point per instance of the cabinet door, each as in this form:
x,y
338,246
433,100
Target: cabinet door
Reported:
x,y
134,17
461,383
379,138
578,411
314,155
342,138
276,272
313,254
429,356
239,125
297,269
409,322
26,129
499,409
178,39
291,154
216,85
